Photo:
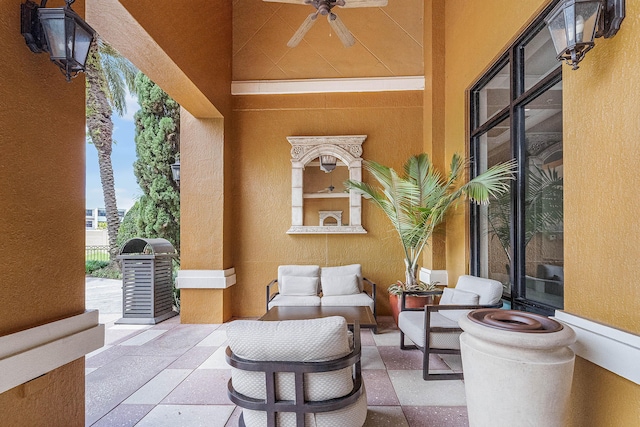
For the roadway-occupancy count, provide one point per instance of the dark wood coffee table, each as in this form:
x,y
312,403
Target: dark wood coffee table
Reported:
x,y
363,315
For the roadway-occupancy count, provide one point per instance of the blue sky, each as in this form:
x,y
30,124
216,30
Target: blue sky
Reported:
x,y
122,157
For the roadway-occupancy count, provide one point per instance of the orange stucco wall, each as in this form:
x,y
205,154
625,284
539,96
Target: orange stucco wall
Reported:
x,y
601,135
262,185
434,256
600,149
204,27
42,141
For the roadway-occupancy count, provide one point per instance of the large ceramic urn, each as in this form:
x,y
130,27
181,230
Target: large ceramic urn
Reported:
x,y
518,368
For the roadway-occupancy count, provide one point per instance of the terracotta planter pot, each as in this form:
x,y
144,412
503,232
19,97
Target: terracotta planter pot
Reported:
x,y
411,302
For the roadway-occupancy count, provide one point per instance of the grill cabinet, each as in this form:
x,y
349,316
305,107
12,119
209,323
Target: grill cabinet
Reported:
x,y
147,283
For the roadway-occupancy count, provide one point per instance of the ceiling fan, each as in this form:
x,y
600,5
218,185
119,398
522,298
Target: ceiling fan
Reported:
x,y
323,7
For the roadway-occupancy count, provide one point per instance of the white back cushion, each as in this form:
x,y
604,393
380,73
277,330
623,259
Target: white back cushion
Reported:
x,y
490,291
310,340
343,270
297,271
452,296
340,285
298,285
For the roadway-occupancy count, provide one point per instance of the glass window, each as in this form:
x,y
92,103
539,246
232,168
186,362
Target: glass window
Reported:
x,y
518,238
543,199
493,97
494,147
539,58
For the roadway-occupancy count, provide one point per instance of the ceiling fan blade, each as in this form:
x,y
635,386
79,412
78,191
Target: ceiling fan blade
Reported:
x,y
306,26
363,3
341,30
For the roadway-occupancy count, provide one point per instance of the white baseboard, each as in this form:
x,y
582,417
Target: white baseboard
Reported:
x,y
610,348
28,354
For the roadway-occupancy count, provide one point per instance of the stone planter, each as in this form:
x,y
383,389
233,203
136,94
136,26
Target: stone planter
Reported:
x,y
517,367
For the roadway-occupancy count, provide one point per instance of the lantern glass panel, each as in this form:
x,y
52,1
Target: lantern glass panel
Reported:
x,y
83,42
53,24
586,20
175,171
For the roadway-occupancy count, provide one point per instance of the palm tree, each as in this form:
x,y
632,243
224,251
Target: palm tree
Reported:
x,y
108,76
418,201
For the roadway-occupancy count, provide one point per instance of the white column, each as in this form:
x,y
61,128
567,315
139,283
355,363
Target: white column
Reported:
x,y
297,179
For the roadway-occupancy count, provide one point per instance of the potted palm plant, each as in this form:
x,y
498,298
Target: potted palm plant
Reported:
x,y
417,201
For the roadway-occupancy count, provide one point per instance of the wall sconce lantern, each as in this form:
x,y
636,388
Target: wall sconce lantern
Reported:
x,y
328,163
175,171
59,31
575,23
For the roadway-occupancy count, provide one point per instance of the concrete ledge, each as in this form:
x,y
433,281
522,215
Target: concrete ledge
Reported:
x,y
429,276
28,354
610,348
364,84
206,279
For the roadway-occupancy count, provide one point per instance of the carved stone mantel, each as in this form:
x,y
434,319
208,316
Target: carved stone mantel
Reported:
x,y
304,149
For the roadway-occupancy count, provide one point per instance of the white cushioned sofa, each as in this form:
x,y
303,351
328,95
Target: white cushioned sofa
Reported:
x,y
296,373
312,285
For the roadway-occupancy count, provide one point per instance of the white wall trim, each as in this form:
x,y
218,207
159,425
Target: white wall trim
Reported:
x,y
364,84
206,279
28,354
610,348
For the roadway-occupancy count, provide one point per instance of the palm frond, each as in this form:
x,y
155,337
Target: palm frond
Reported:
x,y
119,75
491,183
418,201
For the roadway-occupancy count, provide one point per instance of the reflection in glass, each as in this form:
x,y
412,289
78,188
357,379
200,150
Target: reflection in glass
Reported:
x,y
543,209
539,58
494,148
494,96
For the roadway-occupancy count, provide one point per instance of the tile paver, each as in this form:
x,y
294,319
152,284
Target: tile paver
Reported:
x,y
172,374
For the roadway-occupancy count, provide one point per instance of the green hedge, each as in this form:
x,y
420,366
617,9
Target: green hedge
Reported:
x,y
92,265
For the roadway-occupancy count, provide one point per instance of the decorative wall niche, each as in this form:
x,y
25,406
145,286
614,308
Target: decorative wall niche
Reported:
x,y
316,192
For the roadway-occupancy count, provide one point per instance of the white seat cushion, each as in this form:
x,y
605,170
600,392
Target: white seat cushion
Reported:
x,y
412,324
490,290
343,270
357,300
292,300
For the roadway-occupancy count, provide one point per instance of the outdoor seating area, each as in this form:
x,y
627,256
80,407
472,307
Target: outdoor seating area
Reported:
x,y
176,374
455,138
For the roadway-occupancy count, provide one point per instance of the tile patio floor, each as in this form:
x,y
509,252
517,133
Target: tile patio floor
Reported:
x,y
176,375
